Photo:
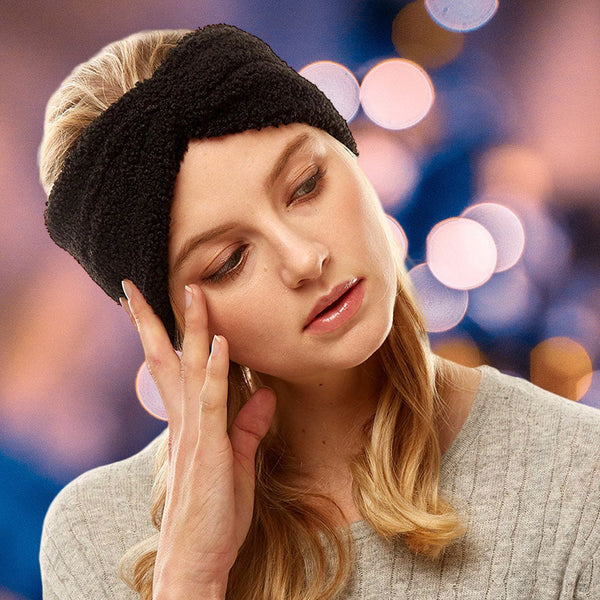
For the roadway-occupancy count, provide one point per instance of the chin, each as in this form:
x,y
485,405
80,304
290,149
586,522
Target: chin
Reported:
x,y
350,352
351,349
361,343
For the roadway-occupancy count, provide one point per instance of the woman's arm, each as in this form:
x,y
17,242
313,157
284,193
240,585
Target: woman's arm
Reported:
x,y
210,485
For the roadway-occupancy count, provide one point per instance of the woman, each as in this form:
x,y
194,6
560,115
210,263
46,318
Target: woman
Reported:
x,y
316,448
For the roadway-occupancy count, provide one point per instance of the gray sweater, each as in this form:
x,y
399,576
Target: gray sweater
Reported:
x,y
524,471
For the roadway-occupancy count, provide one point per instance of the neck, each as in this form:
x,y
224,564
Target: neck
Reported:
x,y
321,418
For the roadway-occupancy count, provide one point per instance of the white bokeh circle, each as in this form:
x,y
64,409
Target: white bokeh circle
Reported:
x,y
442,307
337,83
506,229
461,15
396,94
461,253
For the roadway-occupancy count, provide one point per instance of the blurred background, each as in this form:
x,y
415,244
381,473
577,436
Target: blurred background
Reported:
x,y
479,126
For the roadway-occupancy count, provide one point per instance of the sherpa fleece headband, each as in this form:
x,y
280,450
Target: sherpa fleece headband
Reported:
x,y
110,205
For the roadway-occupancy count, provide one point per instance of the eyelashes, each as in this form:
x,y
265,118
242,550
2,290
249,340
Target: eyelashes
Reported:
x,y
307,187
233,266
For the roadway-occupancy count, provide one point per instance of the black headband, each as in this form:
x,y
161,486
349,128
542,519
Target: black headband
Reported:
x,y
110,206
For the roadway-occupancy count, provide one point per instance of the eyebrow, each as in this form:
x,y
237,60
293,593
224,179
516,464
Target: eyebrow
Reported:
x,y
194,242
293,146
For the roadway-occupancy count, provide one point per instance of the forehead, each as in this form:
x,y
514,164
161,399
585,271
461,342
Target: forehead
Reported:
x,y
220,177
210,155
214,167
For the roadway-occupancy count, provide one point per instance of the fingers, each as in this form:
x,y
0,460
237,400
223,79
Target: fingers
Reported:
x,y
195,388
195,353
181,382
248,429
123,302
210,476
213,398
162,361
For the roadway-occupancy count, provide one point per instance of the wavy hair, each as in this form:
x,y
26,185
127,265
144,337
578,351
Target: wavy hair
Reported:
x,y
292,550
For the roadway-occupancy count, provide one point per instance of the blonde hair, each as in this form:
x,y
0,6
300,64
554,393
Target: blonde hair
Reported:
x,y
292,550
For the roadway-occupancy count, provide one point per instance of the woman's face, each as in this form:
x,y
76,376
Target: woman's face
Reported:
x,y
287,218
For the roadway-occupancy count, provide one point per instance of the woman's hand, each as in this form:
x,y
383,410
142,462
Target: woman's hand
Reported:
x,y
210,485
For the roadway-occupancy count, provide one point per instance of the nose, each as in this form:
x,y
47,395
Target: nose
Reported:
x,y
302,258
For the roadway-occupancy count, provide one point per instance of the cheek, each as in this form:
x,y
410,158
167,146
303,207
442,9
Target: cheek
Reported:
x,y
370,235
243,320
361,218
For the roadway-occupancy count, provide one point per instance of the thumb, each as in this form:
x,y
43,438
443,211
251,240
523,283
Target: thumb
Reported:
x,y
249,428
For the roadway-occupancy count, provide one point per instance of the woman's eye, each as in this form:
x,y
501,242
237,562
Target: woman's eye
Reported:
x,y
308,186
231,267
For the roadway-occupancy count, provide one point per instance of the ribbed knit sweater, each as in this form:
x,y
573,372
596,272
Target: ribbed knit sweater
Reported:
x,y
524,472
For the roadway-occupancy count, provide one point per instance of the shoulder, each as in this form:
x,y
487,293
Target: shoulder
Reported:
x,y
526,471
547,448
545,416
521,419
109,492
92,522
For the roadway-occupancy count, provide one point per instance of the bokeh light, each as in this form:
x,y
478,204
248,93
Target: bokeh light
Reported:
x,y
399,236
389,165
558,364
505,228
147,393
514,172
396,94
337,83
507,302
461,15
588,389
420,39
443,307
461,253
460,349
530,77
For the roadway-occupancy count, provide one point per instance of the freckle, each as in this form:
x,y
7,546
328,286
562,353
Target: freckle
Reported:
x,y
323,442
320,385
303,430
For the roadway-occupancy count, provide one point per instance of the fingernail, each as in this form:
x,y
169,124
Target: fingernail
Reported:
x,y
216,345
126,288
188,296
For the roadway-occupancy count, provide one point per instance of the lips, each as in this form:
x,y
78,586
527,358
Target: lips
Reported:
x,y
326,301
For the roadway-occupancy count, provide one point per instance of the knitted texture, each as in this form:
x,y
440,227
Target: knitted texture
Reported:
x,y
110,206
524,472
